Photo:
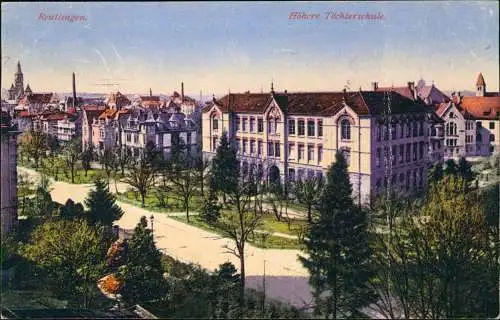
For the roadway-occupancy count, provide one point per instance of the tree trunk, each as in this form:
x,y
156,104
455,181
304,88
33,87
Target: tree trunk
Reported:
x,y
143,195
242,273
309,213
72,174
186,205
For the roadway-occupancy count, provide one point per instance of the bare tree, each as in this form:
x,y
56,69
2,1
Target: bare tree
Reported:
x,y
108,160
71,154
141,177
308,192
240,223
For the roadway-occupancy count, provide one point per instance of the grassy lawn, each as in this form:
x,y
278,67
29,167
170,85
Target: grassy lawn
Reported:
x,y
271,224
258,240
151,202
80,177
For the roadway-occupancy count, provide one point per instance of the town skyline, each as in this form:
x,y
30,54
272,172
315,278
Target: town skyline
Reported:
x,y
249,46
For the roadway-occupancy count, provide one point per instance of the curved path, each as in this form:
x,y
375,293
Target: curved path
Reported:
x,y
285,277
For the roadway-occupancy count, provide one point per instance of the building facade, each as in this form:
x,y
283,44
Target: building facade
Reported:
x,y
8,174
160,129
472,125
296,135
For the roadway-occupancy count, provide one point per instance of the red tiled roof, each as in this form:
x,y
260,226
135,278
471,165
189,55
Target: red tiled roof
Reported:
x,y
92,112
441,108
482,107
404,91
40,97
318,103
91,107
25,114
150,98
108,113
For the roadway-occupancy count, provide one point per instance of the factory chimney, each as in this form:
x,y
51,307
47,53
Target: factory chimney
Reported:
x,y
182,91
74,91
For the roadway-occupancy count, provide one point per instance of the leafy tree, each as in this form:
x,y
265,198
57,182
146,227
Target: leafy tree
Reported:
x,y
210,211
53,144
338,249
41,205
442,262
71,154
87,156
70,253
450,167
25,189
308,193
141,177
101,204
34,144
224,173
435,173
143,276
464,170
71,210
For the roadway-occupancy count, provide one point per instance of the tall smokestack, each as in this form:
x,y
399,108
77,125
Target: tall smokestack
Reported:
x,y
182,91
74,91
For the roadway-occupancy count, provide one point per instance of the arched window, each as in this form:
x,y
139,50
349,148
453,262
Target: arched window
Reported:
x,y
345,126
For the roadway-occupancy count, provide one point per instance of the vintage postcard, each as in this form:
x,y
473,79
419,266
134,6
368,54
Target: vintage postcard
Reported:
x,y
250,159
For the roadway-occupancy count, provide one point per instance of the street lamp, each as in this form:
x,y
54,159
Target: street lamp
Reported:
x,y
152,218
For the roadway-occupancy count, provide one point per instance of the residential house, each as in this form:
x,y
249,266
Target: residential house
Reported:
x,y
89,113
159,128
472,125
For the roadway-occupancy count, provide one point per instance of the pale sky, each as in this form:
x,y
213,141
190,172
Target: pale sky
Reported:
x,y
216,47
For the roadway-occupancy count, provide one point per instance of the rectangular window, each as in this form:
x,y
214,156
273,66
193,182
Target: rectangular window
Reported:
x,y
492,137
320,154
386,132
394,133
347,155
238,124
237,144
421,129
136,137
244,125
244,147
252,147
291,174
402,132
291,127
252,124
408,152
310,128
277,149
422,145
310,152
259,148
394,154
301,128
270,149
379,132
214,143
415,151
320,128
301,152
492,125
479,125
260,125
215,124
291,151
377,159
128,137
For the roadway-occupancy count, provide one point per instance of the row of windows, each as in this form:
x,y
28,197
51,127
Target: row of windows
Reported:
x,y
314,128
469,125
299,155
242,124
407,179
414,129
451,129
412,152
301,174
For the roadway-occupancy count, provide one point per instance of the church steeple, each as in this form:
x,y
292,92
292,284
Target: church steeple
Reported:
x,y
19,81
480,86
28,90
19,68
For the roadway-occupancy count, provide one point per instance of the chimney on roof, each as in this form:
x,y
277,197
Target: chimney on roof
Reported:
x,y
74,92
374,86
182,91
